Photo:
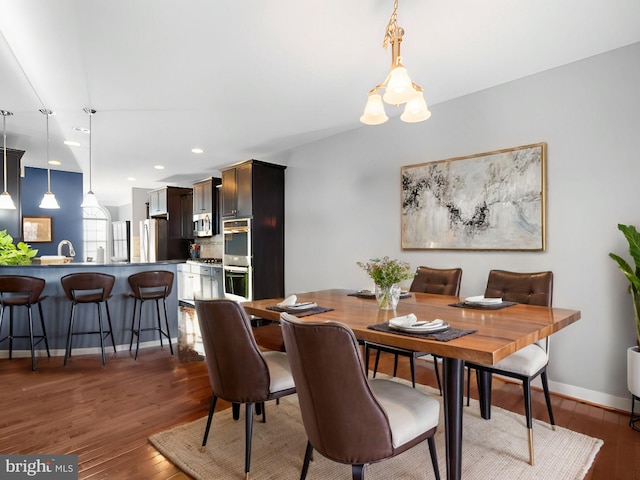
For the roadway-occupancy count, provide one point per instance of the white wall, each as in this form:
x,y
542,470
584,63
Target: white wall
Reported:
x,y
343,202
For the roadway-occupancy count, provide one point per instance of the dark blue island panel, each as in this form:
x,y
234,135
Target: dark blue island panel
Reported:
x,y
57,308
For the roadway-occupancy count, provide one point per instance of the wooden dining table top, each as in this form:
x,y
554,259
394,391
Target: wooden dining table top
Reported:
x,y
498,332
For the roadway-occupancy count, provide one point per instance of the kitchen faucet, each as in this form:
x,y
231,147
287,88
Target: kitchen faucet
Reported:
x,y
72,252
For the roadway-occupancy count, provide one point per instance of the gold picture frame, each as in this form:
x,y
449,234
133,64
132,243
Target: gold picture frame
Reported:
x,y
489,201
36,229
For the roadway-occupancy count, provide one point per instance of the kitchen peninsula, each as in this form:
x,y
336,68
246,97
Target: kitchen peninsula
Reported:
x,y
56,307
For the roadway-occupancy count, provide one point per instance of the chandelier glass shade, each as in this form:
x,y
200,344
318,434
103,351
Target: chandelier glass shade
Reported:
x,y
49,199
398,87
6,202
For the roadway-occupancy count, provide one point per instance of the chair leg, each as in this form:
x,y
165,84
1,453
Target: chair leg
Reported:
x,y
366,357
100,327
166,321
67,352
212,407
468,384
375,365
10,332
159,323
133,322
113,342
307,459
33,353
434,456
526,387
44,330
248,434
235,410
395,364
412,367
435,366
139,329
357,472
545,387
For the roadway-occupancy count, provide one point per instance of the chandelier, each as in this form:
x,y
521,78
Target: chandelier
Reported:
x,y
398,87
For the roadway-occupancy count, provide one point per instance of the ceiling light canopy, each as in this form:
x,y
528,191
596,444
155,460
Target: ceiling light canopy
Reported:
x,y
90,200
49,199
6,202
398,87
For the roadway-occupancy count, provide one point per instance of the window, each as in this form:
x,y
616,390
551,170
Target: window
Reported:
x,y
95,224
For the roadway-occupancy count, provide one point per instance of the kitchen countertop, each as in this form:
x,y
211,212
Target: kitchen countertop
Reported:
x,y
94,264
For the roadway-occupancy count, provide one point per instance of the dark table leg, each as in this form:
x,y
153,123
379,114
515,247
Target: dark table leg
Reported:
x,y
453,392
484,392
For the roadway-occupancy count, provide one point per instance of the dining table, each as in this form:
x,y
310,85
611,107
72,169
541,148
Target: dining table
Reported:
x,y
489,334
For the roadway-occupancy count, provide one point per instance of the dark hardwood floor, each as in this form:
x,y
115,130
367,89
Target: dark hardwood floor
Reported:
x,y
105,414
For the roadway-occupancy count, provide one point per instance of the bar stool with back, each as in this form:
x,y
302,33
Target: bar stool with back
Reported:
x,y
151,285
85,288
22,291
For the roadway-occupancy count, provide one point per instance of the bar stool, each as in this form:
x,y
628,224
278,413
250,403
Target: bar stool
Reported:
x,y
151,285
89,287
23,291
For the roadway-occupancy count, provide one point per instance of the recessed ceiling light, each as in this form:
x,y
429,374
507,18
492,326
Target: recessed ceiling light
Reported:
x,y
82,129
71,143
158,167
131,179
197,150
55,162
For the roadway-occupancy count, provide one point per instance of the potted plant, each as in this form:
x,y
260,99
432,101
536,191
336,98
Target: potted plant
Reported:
x,y
11,254
633,275
387,274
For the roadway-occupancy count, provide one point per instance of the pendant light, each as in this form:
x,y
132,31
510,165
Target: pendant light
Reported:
x,y
398,87
49,199
90,199
6,202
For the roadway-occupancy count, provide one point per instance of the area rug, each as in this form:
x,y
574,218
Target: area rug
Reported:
x,y
492,449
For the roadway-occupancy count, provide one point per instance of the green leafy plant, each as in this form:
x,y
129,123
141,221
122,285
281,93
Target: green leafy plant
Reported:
x,y
386,272
11,254
632,273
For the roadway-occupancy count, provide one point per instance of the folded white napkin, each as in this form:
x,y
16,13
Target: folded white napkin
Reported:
x,y
482,299
411,321
287,302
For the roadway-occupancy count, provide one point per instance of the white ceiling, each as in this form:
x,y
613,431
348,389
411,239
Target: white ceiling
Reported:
x,y
249,78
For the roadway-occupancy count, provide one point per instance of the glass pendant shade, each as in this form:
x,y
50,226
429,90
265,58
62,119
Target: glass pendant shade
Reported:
x,y
374,113
49,201
416,109
399,89
90,200
6,202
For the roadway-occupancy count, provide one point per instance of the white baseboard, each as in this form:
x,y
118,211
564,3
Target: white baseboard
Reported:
x,y
42,353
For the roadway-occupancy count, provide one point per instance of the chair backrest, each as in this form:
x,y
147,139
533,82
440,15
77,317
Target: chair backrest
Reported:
x,y
23,289
341,416
152,284
237,370
437,280
530,288
100,283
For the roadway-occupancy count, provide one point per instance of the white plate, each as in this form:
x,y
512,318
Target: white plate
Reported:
x,y
480,300
421,328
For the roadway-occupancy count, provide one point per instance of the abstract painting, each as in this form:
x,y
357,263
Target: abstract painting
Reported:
x,y
488,201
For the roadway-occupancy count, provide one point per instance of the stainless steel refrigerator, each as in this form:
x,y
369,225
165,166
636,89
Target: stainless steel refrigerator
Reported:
x,y
158,244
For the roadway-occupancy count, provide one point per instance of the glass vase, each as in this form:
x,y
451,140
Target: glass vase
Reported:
x,y
388,296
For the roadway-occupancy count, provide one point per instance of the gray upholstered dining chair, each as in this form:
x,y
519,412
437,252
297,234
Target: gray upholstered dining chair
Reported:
x,y
427,280
348,418
532,360
238,371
